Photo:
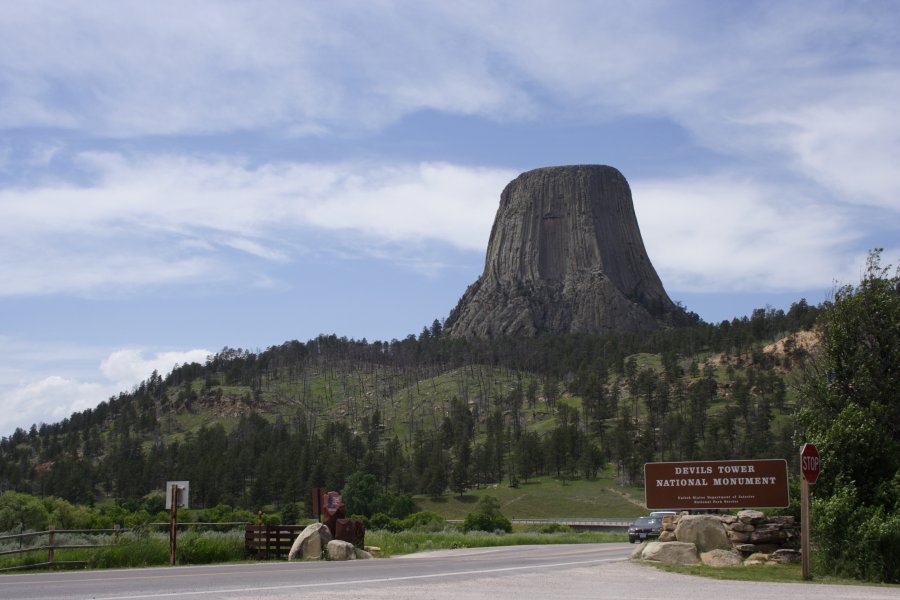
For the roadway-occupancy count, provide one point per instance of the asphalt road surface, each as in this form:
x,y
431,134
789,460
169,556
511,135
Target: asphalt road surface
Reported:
x,y
595,571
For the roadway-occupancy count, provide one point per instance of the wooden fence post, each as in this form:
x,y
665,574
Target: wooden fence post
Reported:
x,y
51,541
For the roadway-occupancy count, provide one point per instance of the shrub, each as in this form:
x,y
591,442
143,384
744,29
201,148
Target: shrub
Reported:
x,y
487,517
398,506
550,528
385,522
360,492
292,512
488,505
424,521
23,509
138,519
483,522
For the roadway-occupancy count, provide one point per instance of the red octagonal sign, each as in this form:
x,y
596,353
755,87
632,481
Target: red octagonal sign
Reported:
x,y
810,465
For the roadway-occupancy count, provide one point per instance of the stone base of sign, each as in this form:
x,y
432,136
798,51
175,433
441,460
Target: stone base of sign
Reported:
x,y
748,538
707,532
721,558
671,553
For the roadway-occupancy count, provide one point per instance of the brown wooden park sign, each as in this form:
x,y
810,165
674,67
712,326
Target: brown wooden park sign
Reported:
x,y
720,484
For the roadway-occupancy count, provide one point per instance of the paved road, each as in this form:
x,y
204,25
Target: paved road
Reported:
x,y
595,571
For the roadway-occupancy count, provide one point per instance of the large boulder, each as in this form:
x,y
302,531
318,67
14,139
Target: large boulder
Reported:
x,y
636,553
667,536
671,553
751,516
757,559
310,543
340,550
565,256
721,558
769,533
704,531
786,556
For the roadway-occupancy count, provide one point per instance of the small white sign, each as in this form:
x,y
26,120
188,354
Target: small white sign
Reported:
x,y
182,495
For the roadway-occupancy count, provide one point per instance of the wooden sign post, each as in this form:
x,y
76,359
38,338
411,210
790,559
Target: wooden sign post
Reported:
x,y
173,522
176,497
810,466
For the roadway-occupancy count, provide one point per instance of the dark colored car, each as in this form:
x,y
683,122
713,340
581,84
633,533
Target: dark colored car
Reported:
x,y
644,528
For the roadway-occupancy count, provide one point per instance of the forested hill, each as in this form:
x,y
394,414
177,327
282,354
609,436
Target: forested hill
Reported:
x,y
425,414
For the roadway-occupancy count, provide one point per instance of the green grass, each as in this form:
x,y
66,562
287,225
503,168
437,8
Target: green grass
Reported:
x,y
761,573
647,361
545,498
408,542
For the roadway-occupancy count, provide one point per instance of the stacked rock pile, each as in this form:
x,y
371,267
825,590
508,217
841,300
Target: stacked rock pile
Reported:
x,y
748,538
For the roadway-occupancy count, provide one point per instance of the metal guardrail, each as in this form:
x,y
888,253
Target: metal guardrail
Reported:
x,y
576,524
612,525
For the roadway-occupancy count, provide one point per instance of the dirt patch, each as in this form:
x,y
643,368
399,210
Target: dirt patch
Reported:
x,y
630,498
802,340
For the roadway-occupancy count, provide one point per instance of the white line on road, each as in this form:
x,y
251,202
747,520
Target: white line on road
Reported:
x,y
357,581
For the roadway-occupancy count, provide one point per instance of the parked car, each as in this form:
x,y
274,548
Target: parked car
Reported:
x,y
663,513
644,528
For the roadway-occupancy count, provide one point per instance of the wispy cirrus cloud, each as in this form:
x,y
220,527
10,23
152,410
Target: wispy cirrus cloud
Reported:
x,y
160,220
149,220
730,233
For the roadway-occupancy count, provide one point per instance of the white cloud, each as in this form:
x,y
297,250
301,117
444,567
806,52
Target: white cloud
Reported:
x,y
445,202
850,148
30,393
730,233
154,220
149,220
212,67
128,367
47,400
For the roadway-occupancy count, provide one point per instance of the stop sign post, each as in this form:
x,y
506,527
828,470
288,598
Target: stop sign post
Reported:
x,y
810,467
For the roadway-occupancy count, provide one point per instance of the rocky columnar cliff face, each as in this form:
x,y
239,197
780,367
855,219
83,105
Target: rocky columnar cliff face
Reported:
x,y
565,256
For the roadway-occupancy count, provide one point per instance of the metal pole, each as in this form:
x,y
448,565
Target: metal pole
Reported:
x,y
173,524
804,527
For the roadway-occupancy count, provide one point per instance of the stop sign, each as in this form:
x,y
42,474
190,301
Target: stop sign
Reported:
x,y
810,465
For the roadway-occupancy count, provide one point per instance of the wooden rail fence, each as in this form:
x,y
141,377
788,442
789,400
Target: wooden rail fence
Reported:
x,y
265,542
52,546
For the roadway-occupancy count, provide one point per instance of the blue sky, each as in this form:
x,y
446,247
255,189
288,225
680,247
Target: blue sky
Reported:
x,y
178,177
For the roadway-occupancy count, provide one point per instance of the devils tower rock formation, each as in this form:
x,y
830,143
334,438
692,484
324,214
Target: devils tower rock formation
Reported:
x,y
565,256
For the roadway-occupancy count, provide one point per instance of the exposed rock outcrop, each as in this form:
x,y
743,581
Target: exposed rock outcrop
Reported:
x,y
565,256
